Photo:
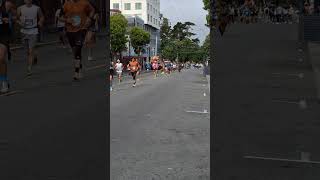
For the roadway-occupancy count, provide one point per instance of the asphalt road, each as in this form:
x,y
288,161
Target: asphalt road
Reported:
x,y
152,134
258,125
54,128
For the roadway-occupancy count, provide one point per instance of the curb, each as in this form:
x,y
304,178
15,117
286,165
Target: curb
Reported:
x,y
38,45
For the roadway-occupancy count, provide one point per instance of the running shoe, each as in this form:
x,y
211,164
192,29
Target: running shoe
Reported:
x,y
4,87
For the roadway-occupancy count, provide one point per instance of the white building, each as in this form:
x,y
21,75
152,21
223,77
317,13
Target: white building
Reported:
x,y
149,12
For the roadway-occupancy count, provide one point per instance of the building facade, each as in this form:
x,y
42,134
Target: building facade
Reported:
x,y
149,12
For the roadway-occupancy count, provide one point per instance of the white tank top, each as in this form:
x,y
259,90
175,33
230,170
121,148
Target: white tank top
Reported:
x,y
29,17
119,67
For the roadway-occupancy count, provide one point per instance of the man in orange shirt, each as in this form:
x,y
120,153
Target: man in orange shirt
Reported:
x,y
78,16
134,67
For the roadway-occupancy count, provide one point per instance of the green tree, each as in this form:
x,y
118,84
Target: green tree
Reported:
x,y
169,51
139,39
182,31
165,33
118,29
206,46
177,42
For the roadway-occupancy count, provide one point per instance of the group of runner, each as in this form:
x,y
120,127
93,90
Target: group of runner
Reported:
x,y
76,17
134,69
133,66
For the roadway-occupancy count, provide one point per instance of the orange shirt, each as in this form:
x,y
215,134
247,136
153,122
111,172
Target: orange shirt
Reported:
x,y
134,66
79,12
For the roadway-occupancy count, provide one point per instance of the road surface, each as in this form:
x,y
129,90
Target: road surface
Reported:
x,y
55,128
153,136
260,131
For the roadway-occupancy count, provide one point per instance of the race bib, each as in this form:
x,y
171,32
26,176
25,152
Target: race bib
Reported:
x,y
28,22
134,68
76,21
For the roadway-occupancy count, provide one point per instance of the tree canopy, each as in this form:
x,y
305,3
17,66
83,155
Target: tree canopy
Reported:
x,y
177,42
139,39
118,30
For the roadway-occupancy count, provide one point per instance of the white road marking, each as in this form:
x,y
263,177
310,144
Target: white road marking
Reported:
x,y
204,94
302,103
11,93
199,112
300,75
281,159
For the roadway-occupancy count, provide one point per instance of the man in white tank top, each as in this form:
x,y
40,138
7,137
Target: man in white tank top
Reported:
x,y
30,17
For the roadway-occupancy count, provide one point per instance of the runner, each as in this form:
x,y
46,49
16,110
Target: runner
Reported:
x,y
78,16
6,7
179,67
60,25
30,18
134,67
155,66
119,69
111,74
90,40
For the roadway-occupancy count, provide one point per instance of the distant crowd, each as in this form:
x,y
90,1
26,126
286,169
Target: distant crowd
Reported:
x,y
249,12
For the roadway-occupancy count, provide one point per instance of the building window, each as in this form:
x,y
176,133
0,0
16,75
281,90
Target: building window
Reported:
x,y
115,5
148,6
138,6
127,6
151,19
148,17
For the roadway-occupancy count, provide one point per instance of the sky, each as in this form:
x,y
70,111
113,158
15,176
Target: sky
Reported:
x,y
186,10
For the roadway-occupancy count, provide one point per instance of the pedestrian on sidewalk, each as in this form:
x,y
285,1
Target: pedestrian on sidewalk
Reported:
x,y
6,7
30,18
78,16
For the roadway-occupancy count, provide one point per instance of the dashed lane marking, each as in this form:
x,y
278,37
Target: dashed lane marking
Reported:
x,y
302,103
199,112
